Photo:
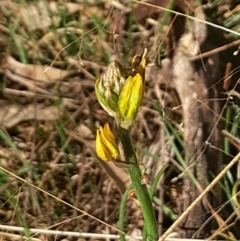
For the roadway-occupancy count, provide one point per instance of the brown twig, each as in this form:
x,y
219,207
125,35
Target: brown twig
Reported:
x,y
216,50
227,76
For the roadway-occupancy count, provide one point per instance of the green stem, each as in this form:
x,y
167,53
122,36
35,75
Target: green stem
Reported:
x,y
122,212
140,189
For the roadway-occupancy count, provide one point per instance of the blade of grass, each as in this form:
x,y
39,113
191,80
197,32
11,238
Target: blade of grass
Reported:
x,y
122,211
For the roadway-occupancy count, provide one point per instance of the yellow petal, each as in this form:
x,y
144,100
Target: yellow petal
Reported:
x,y
109,133
131,97
106,146
99,147
109,142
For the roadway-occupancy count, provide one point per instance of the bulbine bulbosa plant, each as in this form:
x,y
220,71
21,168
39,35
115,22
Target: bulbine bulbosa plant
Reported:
x,y
120,92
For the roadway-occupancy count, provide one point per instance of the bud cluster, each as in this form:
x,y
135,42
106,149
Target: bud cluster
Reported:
x,y
120,93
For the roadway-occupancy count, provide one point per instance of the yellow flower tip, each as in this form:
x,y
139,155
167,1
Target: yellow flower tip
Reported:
x,y
139,63
143,63
106,146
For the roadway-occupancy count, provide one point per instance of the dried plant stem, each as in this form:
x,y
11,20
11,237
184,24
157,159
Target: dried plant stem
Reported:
x,y
37,231
199,198
140,189
216,50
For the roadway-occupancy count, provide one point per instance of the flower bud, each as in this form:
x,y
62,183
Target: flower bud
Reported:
x,y
139,63
120,91
130,99
106,146
115,77
109,86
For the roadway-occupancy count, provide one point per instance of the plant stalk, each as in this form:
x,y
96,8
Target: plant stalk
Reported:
x,y
140,189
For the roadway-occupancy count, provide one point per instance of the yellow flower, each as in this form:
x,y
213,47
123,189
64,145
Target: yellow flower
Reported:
x,y
106,146
131,97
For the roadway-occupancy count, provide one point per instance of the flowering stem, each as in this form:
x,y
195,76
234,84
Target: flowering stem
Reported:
x,y
140,189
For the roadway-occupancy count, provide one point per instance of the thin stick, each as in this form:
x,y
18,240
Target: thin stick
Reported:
x,y
199,198
78,234
216,50
62,233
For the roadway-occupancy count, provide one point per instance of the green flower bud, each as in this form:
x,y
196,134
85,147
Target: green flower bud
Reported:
x,y
115,77
109,86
